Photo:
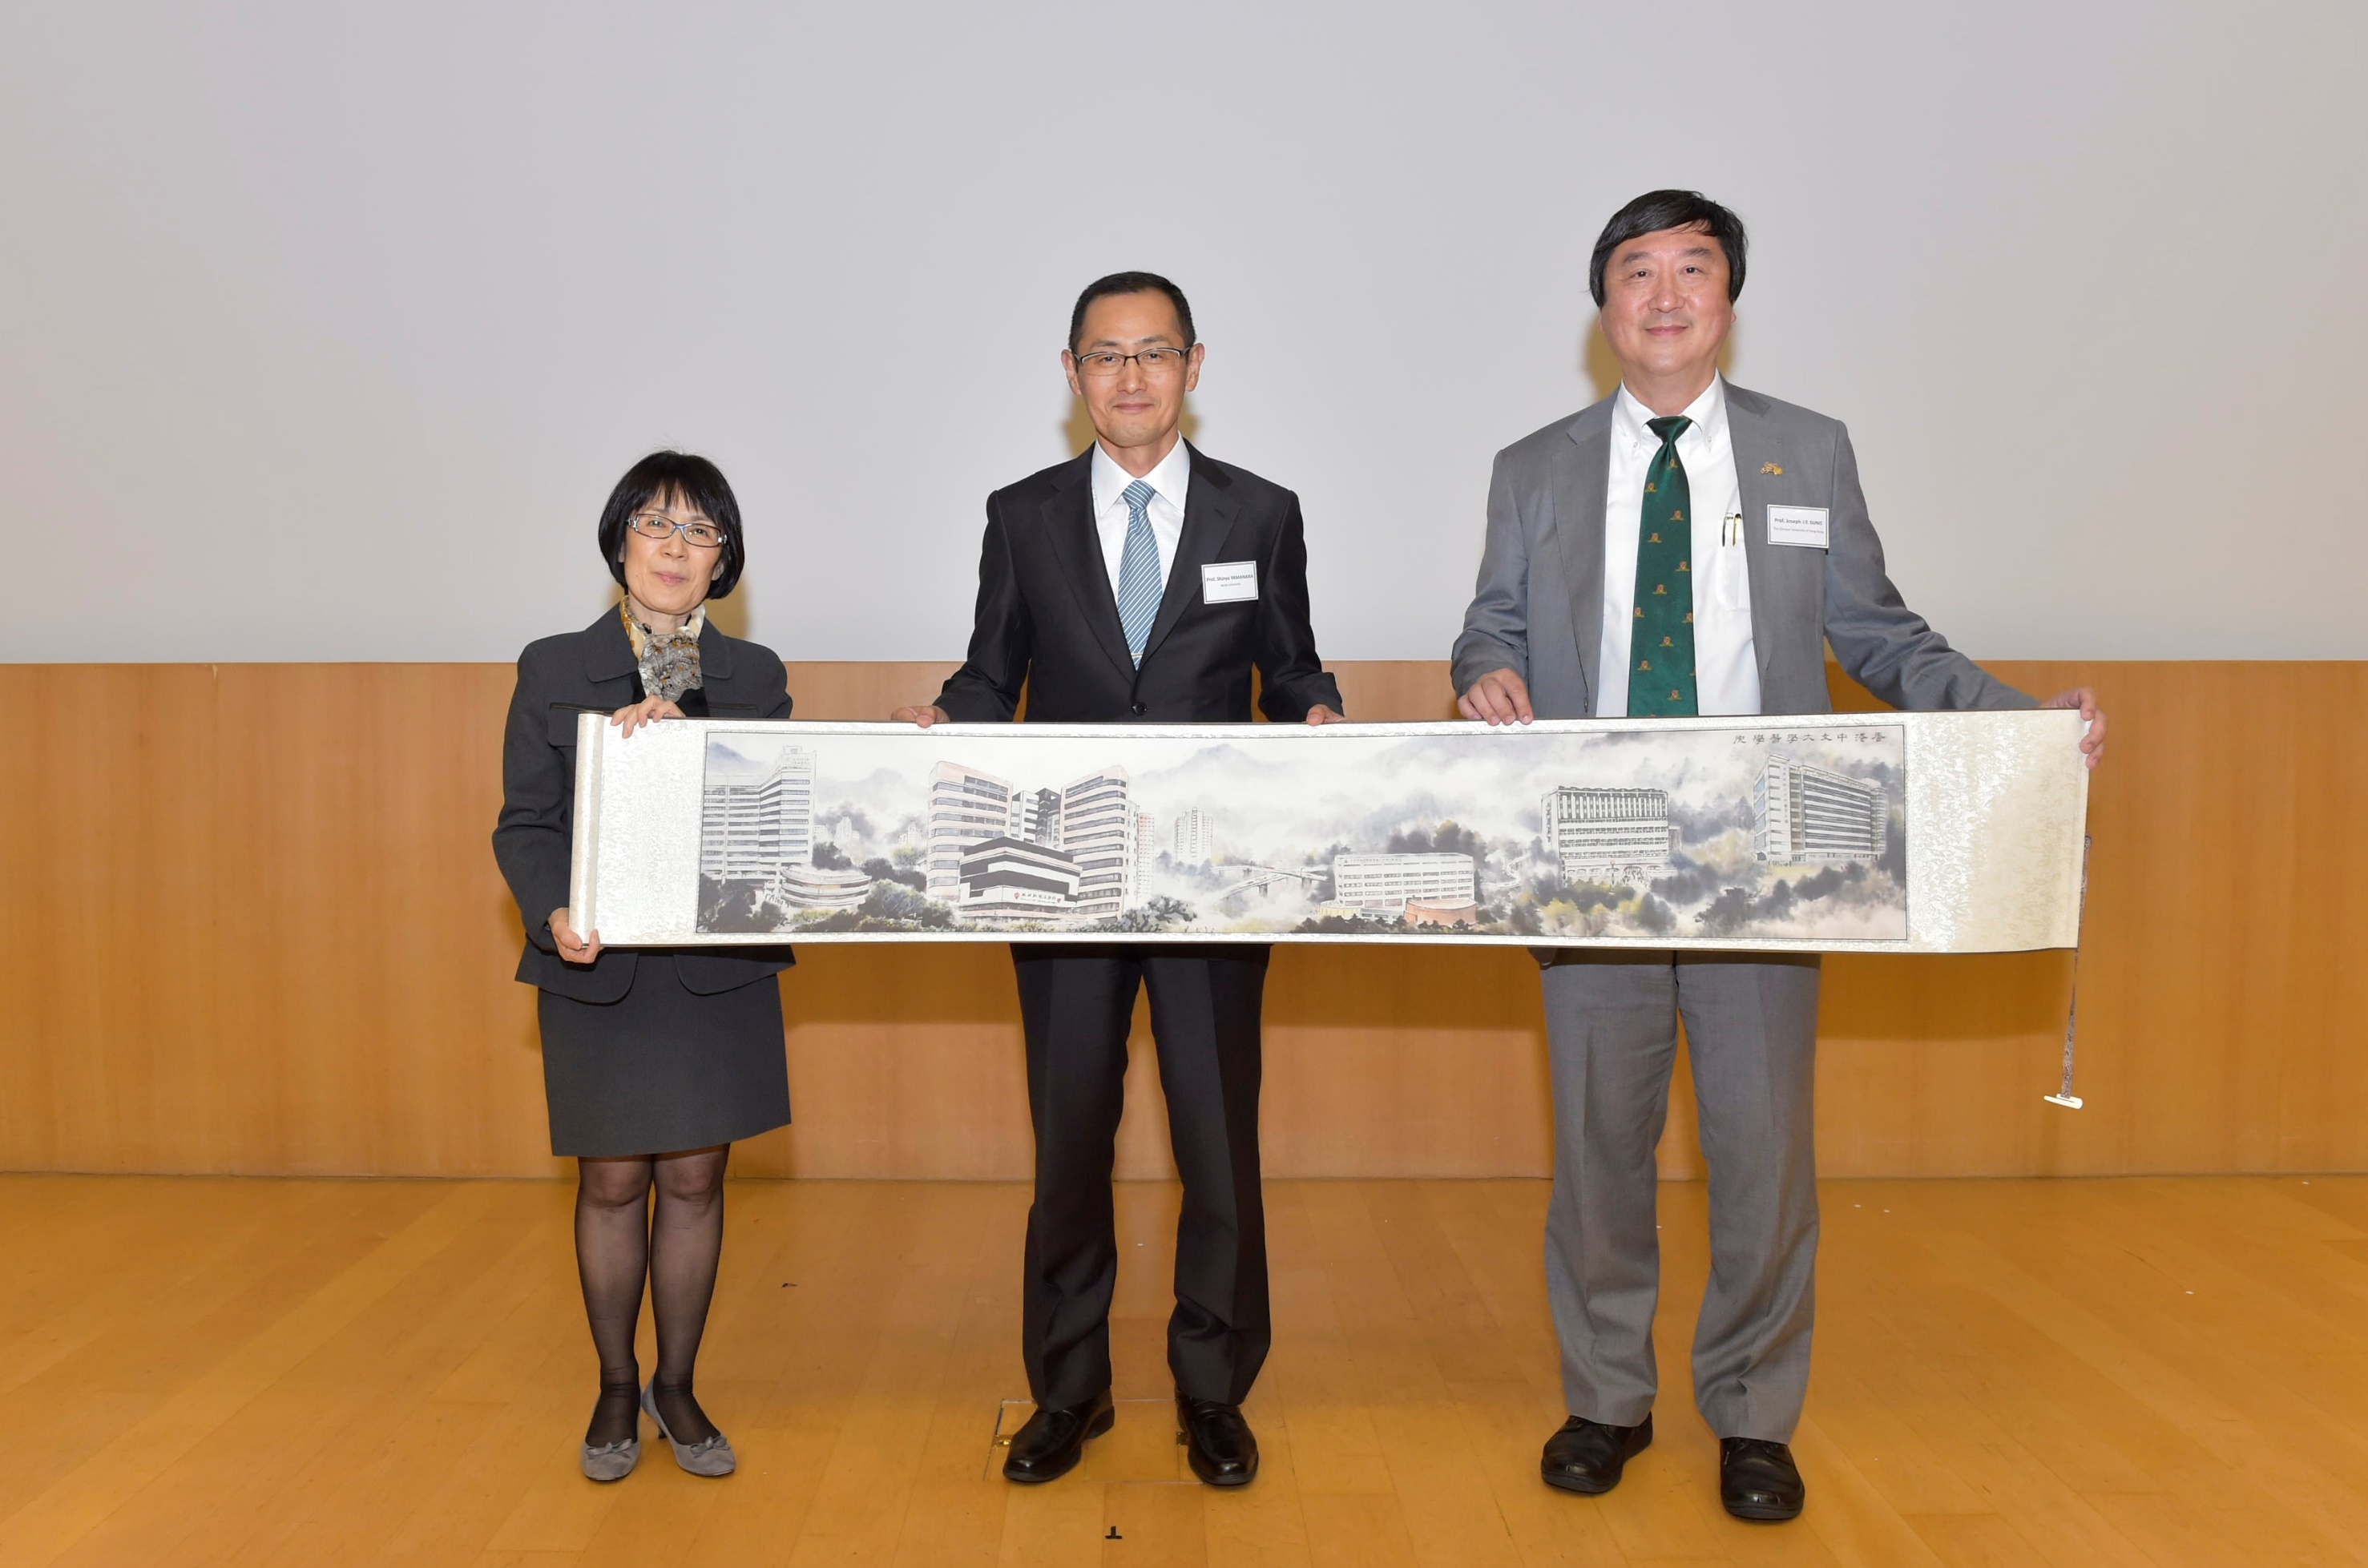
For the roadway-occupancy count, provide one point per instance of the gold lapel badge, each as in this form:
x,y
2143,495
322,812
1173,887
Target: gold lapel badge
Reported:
x,y
1777,469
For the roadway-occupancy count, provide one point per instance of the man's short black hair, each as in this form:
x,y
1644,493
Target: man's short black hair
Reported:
x,y
1131,283
665,478
1659,209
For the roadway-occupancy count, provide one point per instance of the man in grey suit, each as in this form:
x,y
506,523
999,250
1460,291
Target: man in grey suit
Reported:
x,y
1687,547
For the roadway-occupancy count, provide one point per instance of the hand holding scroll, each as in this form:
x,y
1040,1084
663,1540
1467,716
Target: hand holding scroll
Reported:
x,y
647,711
572,948
1500,696
2092,745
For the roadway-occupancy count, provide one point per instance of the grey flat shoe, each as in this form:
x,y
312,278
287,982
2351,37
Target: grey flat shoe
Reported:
x,y
612,1462
712,1455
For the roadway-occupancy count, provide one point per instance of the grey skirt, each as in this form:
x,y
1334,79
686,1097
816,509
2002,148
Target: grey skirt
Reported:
x,y
664,1068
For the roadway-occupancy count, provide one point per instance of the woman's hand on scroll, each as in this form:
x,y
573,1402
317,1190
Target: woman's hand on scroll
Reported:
x,y
574,949
923,716
647,711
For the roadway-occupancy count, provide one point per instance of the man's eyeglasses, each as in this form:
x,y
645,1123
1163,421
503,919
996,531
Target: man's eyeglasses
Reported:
x,y
1154,361
700,534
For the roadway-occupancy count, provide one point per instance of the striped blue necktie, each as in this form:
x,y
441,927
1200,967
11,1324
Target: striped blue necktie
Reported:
x,y
1138,571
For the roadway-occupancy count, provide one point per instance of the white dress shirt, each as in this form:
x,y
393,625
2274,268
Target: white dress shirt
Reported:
x,y
1111,517
1726,672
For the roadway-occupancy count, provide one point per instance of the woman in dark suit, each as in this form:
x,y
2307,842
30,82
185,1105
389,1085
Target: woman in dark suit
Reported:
x,y
655,1060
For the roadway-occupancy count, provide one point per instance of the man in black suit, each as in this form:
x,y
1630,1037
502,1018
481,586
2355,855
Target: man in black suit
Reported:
x,y
1141,582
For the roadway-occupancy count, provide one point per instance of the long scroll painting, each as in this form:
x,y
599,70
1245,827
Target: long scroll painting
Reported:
x,y
1901,832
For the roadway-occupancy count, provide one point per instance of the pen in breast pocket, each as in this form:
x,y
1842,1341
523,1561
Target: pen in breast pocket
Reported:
x,y
1730,531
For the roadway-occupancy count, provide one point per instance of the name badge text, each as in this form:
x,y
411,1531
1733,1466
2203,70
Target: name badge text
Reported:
x,y
1807,527
1228,582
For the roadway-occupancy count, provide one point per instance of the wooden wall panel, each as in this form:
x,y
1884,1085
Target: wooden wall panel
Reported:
x,y
249,922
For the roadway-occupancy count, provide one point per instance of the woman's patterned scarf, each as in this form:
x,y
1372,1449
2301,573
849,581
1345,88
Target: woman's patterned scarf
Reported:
x,y
669,660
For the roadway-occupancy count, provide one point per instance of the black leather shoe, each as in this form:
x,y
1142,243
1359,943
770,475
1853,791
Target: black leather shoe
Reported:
x,y
1217,1441
1758,1480
1587,1456
1050,1443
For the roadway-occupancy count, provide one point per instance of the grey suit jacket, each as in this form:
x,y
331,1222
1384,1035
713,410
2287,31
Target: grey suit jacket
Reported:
x,y
1538,609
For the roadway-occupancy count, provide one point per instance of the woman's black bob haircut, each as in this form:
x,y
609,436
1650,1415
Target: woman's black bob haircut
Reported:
x,y
1659,209
662,478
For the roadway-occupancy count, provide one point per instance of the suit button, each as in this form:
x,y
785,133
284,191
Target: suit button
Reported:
x,y
1140,710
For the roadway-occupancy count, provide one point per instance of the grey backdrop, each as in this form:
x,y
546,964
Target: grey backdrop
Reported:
x,y
324,330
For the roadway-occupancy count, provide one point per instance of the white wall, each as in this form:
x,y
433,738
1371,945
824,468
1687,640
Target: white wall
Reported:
x,y
324,330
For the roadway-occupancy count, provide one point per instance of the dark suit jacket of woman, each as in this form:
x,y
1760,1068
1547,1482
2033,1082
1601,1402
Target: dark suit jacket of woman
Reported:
x,y
594,671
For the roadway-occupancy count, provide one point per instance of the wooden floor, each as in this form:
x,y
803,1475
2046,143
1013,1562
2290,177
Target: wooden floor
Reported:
x,y
323,1372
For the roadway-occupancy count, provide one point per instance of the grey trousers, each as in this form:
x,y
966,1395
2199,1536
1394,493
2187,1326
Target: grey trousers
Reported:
x,y
1612,1032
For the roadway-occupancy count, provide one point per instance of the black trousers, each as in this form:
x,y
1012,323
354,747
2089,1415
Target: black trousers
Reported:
x,y
1078,1003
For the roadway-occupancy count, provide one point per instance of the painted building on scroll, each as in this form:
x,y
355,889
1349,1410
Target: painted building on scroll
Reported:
x,y
1098,829
748,831
1001,851
1190,843
1392,884
966,806
1804,815
760,835
1005,878
1598,835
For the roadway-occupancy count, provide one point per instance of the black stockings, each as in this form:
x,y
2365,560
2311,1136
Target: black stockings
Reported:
x,y
618,1242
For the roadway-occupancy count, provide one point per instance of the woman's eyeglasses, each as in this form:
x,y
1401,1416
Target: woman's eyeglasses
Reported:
x,y
700,535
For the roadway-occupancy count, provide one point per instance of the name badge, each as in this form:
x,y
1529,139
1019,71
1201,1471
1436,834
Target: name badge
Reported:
x,y
1804,526
1228,582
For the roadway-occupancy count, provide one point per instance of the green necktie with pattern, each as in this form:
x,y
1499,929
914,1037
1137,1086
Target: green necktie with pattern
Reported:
x,y
1661,652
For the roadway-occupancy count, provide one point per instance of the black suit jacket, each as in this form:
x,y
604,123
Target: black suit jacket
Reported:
x,y
593,671
1047,620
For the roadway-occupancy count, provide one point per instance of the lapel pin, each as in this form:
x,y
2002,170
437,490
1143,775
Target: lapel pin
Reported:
x,y
1772,467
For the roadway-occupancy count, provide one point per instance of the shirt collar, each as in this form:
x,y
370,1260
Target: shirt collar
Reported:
x,y
1708,413
1171,478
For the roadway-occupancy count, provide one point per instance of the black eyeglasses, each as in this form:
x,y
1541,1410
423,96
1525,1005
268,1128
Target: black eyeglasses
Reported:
x,y
700,534
1154,361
